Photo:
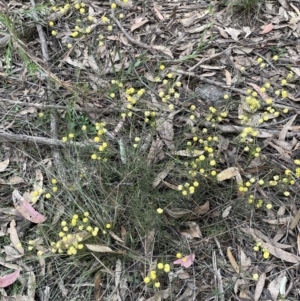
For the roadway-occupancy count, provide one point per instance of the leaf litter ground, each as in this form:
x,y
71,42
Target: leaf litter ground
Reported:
x,y
149,151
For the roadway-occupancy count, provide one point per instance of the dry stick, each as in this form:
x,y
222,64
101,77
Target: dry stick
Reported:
x,y
43,140
210,58
209,81
56,107
127,35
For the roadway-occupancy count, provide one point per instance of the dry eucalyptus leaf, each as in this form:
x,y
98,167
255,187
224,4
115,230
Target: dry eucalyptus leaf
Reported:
x,y
226,212
11,253
14,180
259,286
177,212
201,210
102,249
4,164
188,153
162,175
228,174
14,238
158,14
163,49
233,261
31,286
138,24
166,131
171,186
234,33
98,290
25,209
116,237
193,232
9,279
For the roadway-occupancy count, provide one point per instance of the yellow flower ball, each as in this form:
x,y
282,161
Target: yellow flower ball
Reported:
x,y
266,254
153,275
167,268
113,5
284,94
178,255
146,280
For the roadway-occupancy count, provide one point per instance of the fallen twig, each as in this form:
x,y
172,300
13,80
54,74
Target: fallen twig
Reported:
x,y
44,141
209,81
56,107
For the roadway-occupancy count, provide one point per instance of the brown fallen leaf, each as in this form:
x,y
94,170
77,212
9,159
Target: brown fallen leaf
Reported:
x,y
188,153
4,164
279,253
171,186
155,152
193,231
230,173
14,180
98,290
31,285
102,249
226,211
228,77
201,210
138,25
234,33
116,237
233,261
259,286
163,49
14,238
177,212
286,127
275,251
161,176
